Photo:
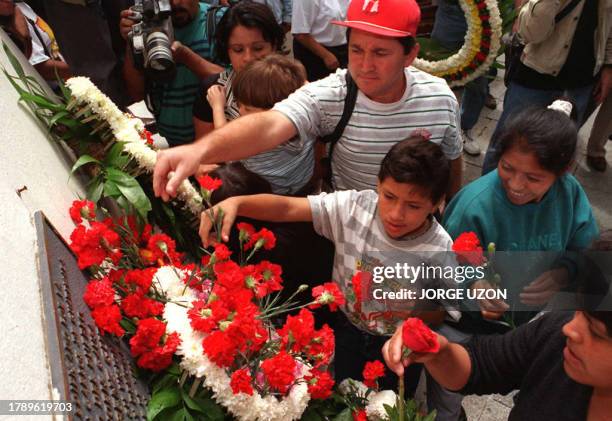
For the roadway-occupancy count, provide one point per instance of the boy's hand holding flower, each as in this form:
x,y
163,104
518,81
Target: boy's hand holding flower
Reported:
x,y
229,210
413,342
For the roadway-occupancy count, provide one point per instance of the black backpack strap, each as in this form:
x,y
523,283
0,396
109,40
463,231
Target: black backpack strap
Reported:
x,y
349,106
566,10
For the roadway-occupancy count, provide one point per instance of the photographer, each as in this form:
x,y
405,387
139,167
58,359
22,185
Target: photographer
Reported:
x,y
172,102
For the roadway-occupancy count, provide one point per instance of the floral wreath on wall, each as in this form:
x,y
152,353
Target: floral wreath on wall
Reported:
x,y
481,46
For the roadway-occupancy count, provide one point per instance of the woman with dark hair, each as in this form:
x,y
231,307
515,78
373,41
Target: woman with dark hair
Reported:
x,y
248,31
560,361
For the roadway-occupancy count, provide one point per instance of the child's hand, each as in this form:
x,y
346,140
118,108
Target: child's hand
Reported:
x,y
490,309
393,348
230,209
541,290
216,97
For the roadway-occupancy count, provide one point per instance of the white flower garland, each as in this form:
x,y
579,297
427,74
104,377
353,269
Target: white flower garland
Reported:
x,y
193,359
128,130
471,46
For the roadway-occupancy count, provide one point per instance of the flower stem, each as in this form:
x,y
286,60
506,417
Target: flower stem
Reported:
x,y
400,402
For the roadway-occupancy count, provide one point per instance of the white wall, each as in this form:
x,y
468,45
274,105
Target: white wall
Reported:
x,y
27,159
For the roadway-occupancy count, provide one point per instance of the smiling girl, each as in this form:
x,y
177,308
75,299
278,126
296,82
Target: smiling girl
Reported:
x,y
529,203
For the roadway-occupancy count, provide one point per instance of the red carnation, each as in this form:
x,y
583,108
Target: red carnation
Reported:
x,y
219,348
139,280
279,371
371,372
262,238
160,245
328,293
148,344
137,305
222,252
417,337
245,231
360,415
95,244
107,319
320,384
298,331
322,345
147,137
270,279
99,293
209,183
241,382
148,334
160,357
468,249
82,209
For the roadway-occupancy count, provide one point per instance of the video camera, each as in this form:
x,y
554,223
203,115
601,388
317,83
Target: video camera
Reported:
x,y
151,37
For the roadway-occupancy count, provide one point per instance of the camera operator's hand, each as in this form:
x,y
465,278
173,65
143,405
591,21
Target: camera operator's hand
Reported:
x,y
126,22
179,52
216,97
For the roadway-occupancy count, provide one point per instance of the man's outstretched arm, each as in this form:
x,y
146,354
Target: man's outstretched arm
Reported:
x,y
242,138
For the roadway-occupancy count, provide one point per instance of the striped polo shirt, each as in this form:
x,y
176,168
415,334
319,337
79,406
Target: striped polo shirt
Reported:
x,y
428,107
351,220
173,102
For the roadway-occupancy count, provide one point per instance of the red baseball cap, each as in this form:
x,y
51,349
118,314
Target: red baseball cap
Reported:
x,y
390,18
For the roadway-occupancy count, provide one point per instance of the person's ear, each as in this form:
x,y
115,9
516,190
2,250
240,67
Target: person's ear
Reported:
x,y
412,55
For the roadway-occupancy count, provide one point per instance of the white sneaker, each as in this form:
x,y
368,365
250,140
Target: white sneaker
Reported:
x,y
470,146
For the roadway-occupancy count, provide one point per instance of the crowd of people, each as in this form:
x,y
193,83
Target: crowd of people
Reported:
x,y
353,157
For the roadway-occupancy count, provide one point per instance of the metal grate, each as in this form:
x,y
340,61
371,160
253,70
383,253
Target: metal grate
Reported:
x,y
92,371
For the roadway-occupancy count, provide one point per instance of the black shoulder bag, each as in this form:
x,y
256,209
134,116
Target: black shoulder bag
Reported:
x,y
332,138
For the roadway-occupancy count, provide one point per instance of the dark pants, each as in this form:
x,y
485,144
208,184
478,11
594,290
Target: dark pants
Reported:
x,y
315,66
354,348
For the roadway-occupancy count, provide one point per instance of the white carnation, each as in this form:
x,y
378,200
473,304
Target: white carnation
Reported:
x,y
375,410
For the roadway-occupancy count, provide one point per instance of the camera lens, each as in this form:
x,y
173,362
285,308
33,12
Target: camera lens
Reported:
x,y
160,63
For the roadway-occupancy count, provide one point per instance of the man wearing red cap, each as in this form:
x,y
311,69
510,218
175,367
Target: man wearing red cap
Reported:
x,y
394,102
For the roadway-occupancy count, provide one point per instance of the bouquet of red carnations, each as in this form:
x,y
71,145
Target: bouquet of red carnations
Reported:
x,y
212,319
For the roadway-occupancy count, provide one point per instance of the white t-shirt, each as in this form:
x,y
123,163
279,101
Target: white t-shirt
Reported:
x,y
314,17
350,219
427,108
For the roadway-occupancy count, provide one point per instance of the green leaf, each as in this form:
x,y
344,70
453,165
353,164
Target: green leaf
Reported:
x,y
191,403
119,176
212,409
95,189
137,197
166,381
346,415
115,156
188,416
58,116
164,399
13,60
111,189
179,415
123,203
43,102
83,160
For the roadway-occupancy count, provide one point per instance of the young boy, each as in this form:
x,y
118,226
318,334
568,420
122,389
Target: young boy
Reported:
x,y
369,229
256,88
